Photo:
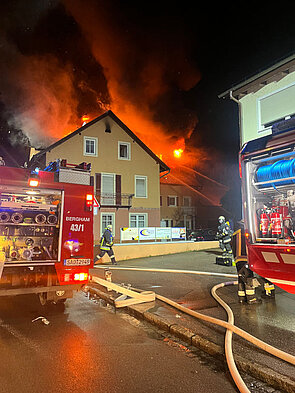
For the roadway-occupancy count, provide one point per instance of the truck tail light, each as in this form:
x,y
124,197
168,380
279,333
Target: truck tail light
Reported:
x,y
80,276
71,278
33,182
88,202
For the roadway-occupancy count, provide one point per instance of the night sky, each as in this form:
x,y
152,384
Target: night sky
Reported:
x,y
158,65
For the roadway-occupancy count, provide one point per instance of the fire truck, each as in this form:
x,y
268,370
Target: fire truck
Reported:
x,y
46,230
267,168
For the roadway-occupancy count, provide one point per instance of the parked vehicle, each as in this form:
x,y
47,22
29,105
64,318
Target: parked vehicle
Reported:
x,y
200,235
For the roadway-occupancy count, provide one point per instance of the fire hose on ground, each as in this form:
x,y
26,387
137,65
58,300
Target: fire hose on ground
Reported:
x,y
229,326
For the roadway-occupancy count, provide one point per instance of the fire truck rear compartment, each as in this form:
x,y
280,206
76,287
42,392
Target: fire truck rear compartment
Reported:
x,y
270,202
29,225
41,280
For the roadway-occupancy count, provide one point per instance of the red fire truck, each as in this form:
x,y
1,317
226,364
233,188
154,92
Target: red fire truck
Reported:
x,y
267,168
46,230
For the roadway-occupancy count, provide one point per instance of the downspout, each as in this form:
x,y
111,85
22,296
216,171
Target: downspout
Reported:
x,y
240,115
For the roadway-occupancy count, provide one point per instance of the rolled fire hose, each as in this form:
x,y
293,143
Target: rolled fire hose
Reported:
x,y
231,328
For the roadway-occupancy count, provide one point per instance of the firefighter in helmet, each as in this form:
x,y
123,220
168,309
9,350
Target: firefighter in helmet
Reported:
x,y
224,235
106,244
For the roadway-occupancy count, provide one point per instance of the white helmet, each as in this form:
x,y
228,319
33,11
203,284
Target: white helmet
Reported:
x,y
109,227
221,219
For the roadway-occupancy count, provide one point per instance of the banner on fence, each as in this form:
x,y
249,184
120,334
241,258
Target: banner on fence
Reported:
x,y
179,233
153,233
147,233
129,234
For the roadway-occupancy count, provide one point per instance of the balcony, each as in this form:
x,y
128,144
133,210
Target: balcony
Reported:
x,y
188,210
117,201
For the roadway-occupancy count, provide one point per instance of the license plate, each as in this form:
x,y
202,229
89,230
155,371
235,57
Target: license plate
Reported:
x,y
77,262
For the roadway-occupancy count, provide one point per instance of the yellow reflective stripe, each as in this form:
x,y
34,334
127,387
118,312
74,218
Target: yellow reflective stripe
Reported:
x,y
250,291
240,259
241,293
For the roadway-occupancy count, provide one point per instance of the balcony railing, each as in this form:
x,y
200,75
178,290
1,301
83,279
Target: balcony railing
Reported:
x,y
115,200
188,210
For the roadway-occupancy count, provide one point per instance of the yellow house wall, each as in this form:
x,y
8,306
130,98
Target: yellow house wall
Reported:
x,y
249,103
140,163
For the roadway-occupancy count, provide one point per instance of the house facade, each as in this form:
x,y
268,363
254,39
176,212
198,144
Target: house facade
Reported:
x,y
189,202
125,171
265,99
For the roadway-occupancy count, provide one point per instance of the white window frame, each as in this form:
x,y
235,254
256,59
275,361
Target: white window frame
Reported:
x,y
139,214
260,127
189,201
90,138
112,201
128,158
102,228
146,186
175,199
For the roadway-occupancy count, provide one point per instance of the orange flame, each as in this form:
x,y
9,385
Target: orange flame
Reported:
x,y
85,118
177,153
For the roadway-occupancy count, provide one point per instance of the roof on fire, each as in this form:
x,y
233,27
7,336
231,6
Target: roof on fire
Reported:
x,y
38,156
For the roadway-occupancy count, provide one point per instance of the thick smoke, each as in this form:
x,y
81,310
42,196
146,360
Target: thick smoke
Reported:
x,y
62,59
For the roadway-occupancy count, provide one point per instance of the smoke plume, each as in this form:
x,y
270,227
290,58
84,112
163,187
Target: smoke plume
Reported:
x,y
63,59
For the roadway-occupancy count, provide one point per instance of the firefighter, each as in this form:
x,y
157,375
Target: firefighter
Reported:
x,y
224,235
246,281
106,244
268,289
2,162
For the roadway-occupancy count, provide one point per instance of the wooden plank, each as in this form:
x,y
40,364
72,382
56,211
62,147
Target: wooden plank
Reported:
x,y
147,296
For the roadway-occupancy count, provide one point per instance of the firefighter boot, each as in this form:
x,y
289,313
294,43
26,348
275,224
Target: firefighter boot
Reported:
x,y
241,291
113,259
96,259
250,292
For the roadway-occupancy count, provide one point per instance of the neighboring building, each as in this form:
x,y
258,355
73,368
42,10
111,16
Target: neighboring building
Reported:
x,y
190,201
265,99
126,172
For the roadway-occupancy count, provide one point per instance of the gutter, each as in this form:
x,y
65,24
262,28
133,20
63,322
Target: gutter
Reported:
x,y
240,115
165,174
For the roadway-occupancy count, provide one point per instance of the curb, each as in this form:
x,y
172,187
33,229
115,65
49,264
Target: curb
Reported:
x,y
256,370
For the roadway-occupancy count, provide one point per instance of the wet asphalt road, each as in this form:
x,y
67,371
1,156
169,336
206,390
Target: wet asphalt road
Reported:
x,y
88,348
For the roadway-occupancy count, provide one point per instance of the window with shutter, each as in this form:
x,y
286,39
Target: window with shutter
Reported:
x,y
172,200
108,189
